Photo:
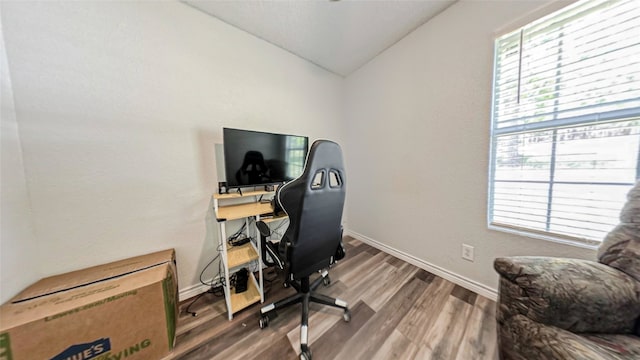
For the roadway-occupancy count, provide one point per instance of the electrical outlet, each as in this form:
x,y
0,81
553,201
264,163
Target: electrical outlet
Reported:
x,y
467,252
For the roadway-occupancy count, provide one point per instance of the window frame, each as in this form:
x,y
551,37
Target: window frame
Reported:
x,y
586,120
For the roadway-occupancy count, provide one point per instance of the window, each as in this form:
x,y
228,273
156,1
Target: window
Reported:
x,y
296,155
566,121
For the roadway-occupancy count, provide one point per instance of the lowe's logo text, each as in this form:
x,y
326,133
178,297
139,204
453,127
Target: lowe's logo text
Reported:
x,y
85,351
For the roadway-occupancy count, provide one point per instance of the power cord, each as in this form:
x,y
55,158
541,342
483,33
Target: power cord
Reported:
x,y
188,309
211,285
218,290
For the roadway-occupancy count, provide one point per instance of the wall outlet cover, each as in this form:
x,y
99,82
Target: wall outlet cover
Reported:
x,y
467,252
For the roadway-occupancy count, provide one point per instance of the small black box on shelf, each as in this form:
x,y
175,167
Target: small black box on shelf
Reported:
x,y
222,188
242,278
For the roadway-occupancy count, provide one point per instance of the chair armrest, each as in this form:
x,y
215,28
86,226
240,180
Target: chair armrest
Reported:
x,y
572,294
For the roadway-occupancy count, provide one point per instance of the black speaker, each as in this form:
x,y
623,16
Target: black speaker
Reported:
x,y
222,188
242,278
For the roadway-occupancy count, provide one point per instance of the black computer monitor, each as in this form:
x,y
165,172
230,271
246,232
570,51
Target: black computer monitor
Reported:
x,y
254,158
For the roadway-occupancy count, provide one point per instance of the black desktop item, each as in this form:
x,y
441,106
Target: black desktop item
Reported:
x,y
254,158
275,204
242,278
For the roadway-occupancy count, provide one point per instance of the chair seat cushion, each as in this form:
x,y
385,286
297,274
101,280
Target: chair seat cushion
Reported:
x,y
576,295
619,346
524,339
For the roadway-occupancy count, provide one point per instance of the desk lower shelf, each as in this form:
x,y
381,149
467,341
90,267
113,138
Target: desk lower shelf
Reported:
x,y
244,299
240,255
274,218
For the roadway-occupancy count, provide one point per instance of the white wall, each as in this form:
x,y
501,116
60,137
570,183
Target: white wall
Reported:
x,y
120,105
18,252
418,178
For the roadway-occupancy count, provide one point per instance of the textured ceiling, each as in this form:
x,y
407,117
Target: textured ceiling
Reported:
x,y
339,36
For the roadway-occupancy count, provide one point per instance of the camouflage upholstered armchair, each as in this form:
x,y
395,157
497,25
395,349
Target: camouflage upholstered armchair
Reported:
x,y
559,308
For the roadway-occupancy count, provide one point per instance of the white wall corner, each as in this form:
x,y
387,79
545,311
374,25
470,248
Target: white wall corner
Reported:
x,y
19,260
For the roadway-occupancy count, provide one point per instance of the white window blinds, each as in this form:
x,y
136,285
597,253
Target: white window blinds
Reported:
x,y
566,120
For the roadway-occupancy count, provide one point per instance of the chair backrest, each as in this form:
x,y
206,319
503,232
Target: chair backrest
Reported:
x,y
314,203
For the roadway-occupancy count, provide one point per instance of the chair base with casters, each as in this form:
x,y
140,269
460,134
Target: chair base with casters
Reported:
x,y
305,294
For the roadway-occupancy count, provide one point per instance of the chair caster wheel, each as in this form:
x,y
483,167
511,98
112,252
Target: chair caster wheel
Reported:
x,y
285,285
347,315
264,322
326,280
305,355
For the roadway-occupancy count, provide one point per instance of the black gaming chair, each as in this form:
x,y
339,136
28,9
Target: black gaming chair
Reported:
x,y
313,240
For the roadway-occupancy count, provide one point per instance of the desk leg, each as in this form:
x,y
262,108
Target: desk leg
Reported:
x,y
261,280
227,284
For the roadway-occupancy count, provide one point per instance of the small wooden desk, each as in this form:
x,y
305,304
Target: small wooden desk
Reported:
x,y
235,258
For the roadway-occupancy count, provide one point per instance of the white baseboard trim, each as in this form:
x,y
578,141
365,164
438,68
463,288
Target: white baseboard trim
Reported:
x,y
466,283
195,290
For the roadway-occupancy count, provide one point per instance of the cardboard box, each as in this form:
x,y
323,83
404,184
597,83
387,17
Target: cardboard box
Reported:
x,y
122,310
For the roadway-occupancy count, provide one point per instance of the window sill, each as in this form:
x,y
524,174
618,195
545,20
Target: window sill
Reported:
x,y
522,232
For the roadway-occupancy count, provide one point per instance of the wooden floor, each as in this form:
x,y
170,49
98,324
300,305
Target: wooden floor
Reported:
x,y
398,312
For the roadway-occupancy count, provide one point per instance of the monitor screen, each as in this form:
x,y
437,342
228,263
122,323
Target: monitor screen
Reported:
x,y
253,158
